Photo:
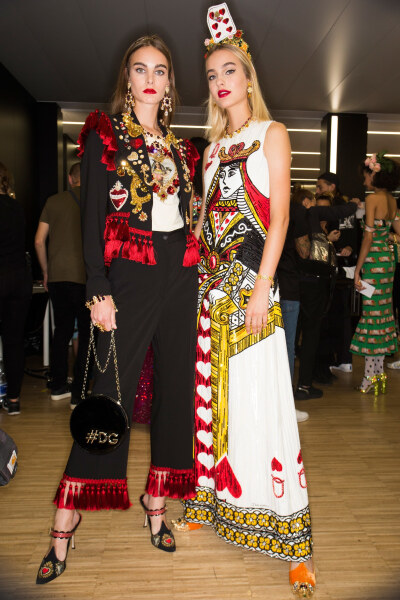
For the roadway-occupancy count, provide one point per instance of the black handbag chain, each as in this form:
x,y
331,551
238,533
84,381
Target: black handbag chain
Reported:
x,y
112,349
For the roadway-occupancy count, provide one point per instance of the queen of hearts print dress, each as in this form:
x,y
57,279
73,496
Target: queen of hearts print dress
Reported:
x,y
250,480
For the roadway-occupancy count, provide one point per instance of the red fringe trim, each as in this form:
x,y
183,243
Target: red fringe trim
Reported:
x,y
101,123
172,483
192,156
137,244
95,494
192,255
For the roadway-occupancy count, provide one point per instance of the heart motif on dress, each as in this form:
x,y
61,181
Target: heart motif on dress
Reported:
x,y
205,437
205,323
118,195
204,343
276,465
299,458
204,392
204,369
206,304
207,460
205,414
226,479
207,482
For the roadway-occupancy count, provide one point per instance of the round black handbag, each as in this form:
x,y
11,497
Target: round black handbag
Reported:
x,y
99,423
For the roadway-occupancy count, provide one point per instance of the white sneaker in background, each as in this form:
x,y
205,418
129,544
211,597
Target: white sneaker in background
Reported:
x,y
344,367
302,415
394,365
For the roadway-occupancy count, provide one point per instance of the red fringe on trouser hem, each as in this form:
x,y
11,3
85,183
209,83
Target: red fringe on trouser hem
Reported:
x,y
173,483
92,494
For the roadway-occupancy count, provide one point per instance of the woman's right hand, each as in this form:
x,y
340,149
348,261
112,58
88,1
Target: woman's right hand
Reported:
x,y
103,313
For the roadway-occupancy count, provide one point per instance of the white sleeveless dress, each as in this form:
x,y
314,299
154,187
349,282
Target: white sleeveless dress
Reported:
x,y
251,485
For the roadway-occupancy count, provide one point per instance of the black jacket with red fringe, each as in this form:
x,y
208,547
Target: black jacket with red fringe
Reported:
x,y
115,167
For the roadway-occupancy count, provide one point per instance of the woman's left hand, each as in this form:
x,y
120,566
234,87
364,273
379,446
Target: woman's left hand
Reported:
x,y
257,307
357,282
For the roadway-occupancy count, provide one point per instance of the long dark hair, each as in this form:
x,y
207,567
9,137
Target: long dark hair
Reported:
x,y
118,99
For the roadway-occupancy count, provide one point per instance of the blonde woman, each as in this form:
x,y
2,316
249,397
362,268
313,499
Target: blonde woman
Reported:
x,y
250,479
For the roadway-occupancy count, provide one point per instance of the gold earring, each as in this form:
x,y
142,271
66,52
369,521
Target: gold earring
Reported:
x,y
129,100
166,103
249,89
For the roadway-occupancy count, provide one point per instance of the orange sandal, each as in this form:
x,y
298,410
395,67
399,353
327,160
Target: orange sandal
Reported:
x,y
302,581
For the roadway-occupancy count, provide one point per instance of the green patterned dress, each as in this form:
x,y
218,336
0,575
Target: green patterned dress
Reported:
x,y
376,331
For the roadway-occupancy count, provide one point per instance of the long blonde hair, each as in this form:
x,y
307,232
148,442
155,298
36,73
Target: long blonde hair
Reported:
x,y
217,118
6,181
118,99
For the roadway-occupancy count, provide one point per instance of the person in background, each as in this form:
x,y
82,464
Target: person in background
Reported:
x,y
315,289
15,289
64,277
297,243
338,336
375,335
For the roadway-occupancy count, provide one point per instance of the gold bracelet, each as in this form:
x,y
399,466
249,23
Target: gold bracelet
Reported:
x,y
265,278
99,298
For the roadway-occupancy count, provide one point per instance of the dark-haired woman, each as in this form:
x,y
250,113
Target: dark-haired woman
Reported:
x,y
141,260
375,335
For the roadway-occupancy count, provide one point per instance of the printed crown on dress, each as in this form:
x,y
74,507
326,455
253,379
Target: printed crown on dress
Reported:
x,y
237,152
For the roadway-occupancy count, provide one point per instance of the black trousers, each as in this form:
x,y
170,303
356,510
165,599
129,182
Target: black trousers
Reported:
x,y
15,297
68,300
336,330
157,305
314,295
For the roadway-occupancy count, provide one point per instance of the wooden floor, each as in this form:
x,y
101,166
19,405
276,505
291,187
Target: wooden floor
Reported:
x,y
351,449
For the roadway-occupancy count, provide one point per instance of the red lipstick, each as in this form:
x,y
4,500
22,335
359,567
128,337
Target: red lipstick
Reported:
x,y
149,91
223,93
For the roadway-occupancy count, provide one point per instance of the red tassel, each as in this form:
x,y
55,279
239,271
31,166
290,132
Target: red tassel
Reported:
x,y
94,494
150,254
172,483
134,253
192,255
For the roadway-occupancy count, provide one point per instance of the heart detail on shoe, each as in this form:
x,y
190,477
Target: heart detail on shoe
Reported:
x,y
204,343
205,414
204,392
276,465
205,437
45,570
207,460
226,479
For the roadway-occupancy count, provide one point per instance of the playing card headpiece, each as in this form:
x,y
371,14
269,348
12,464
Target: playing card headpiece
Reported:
x,y
223,29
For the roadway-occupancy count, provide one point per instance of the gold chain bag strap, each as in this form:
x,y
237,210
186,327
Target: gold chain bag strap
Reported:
x,y
99,423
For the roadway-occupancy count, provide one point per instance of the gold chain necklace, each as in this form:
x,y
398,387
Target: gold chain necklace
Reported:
x,y
245,124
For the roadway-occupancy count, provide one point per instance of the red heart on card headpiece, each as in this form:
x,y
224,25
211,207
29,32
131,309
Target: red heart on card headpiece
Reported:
x,y
229,29
276,465
225,21
218,35
211,15
221,11
215,26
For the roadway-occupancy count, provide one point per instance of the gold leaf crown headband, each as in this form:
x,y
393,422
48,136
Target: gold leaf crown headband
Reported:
x,y
223,30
